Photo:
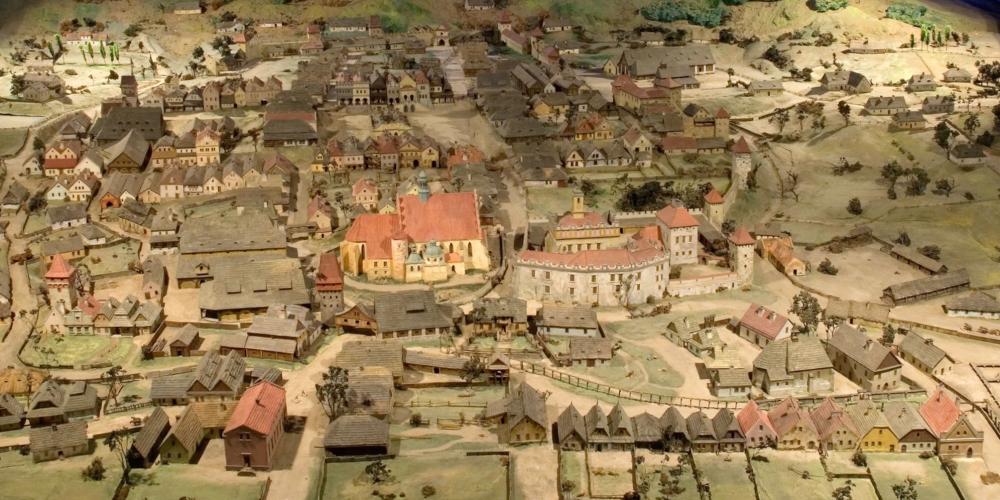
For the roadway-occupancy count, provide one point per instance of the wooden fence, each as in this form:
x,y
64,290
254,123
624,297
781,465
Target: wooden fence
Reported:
x,y
645,397
414,403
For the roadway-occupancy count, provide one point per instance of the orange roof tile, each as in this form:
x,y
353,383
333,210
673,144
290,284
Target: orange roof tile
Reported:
x,y
443,217
714,197
586,219
675,217
741,237
751,415
374,230
59,268
329,275
741,146
258,409
940,412
763,321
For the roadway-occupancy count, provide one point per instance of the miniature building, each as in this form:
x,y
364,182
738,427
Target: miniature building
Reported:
x,y
862,360
762,326
924,355
572,321
521,417
60,280
957,75
975,305
501,318
429,239
793,426
370,391
183,439
835,429
765,88
329,285
650,62
793,366
756,426
411,313
256,427
590,351
702,433
728,431
217,378
146,444
676,436
923,82
885,106
781,253
956,435
11,413
909,427
571,430
54,442
853,311
926,288
848,81
55,403
938,104
357,435
387,354
967,154
731,383
875,433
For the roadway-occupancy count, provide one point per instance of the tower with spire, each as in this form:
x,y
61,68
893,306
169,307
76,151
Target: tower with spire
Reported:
x,y
741,247
60,280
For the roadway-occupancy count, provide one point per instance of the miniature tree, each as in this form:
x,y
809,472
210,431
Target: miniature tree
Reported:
x,y
854,206
930,251
781,118
907,490
94,471
113,378
473,369
120,442
332,392
845,111
972,122
807,308
944,186
859,458
827,267
942,135
888,335
377,472
844,492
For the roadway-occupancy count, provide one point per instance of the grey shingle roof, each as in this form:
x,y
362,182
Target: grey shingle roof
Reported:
x,y
410,310
66,435
582,348
552,315
903,418
384,353
251,230
148,437
571,422
217,372
420,358
647,428
784,358
523,403
349,431
254,285
976,301
922,349
188,430
931,284
866,416
857,346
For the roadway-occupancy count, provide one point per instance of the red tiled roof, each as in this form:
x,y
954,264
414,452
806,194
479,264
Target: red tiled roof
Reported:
x,y
258,409
363,184
722,113
828,417
741,237
787,414
751,415
675,217
586,219
673,143
640,252
329,275
443,217
741,146
763,321
59,268
940,412
89,305
374,230
651,233
465,154
714,197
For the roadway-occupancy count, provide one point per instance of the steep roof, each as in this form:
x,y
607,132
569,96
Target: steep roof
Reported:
x,y
784,358
148,437
523,403
66,435
752,415
828,417
188,430
571,422
903,418
940,412
857,346
443,217
866,416
763,321
384,353
788,414
59,268
922,349
410,309
647,428
976,301
260,409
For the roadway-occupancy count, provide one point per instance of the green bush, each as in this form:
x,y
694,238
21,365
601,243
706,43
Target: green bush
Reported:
x,y
828,5
708,13
909,14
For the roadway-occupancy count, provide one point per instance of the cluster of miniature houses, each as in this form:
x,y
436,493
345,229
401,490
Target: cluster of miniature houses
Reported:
x,y
937,425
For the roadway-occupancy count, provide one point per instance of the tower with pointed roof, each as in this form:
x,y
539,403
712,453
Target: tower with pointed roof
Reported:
x,y
715,207
60,280
742,163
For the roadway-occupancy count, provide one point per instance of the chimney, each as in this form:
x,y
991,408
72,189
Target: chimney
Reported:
x,y
929,341
868,344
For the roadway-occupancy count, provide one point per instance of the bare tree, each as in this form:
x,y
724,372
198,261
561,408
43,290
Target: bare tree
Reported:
x,y
790,186
120,442
113,379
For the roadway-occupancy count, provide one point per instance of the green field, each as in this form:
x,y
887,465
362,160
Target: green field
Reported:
x,y
453,476
893,468
571,468
11,140
113,259
784,476
653,467
170,482
726,479
78,350
57,479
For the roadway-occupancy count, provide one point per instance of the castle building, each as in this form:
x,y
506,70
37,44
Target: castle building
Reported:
x,y
583,230
428,239
680,234
742,163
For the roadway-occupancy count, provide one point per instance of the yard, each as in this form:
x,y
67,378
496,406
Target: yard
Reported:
x,y
58,479
790,473
610,473
725,474
169,482
75,350
655,467
112,259
572,467
893,468
410,475
863,272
